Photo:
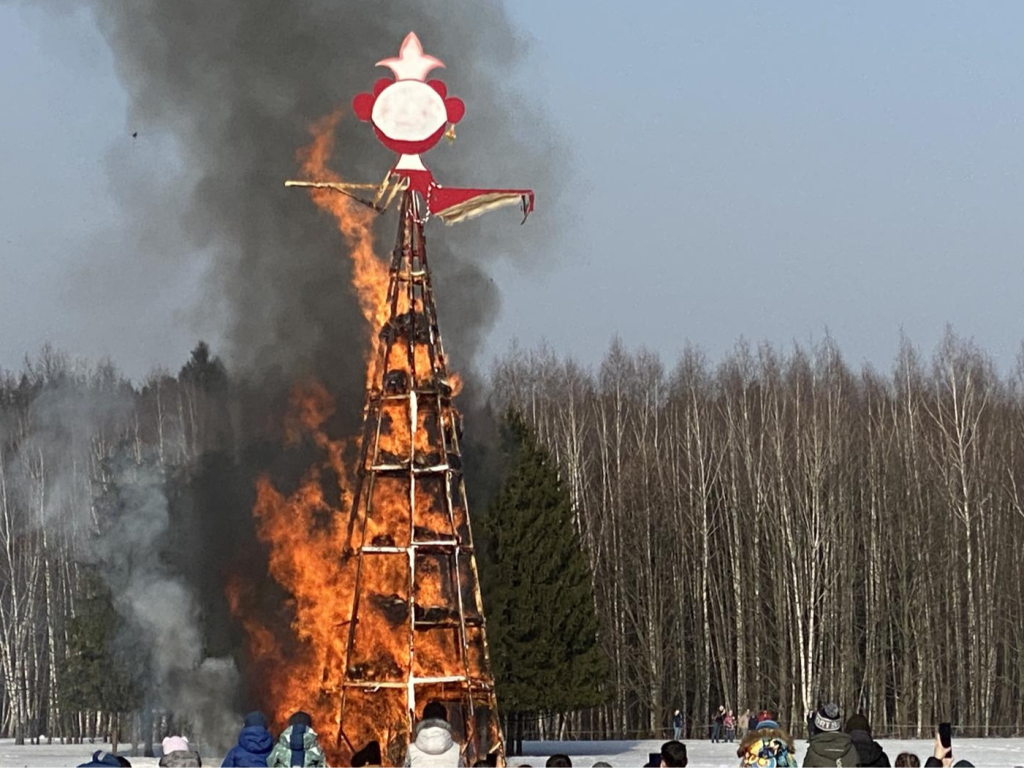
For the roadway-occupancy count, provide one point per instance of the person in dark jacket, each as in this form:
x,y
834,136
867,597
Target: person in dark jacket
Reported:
x,y
752,723
870,751
254,744
677,725
716,725
101,759
828,746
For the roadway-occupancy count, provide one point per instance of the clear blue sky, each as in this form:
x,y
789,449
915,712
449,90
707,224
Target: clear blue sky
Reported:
x,y
766,170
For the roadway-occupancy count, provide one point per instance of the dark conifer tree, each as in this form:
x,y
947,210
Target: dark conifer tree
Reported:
x,y
98,672
542,625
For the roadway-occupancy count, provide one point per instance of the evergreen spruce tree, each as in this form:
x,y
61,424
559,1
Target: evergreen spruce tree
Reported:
x,y
542,626
96,674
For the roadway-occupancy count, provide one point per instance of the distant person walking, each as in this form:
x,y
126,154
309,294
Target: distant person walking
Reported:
x,y
729,723
677,725
752,721
741,724
716,725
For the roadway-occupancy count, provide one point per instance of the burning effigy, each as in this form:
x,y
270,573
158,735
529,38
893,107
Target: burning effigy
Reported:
x,y
374,547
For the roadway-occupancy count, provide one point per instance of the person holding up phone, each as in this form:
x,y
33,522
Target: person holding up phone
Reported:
x,y
942,756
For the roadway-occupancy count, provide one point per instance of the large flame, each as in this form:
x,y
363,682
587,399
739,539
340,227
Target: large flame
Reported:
x,y
314,533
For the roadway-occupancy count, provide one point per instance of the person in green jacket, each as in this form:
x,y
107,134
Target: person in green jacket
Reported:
x,y
297,745
828,745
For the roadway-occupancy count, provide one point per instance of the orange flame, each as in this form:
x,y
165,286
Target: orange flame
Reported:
x,y
369,273
314,533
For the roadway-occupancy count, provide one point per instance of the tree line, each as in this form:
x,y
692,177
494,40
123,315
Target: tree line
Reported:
x,y
74,438
768,531
779,529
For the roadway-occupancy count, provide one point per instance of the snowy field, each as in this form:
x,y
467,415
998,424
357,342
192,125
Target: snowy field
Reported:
x,y
703,754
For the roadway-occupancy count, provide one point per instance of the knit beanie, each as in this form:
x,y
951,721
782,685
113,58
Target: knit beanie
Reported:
x,y
858,723
828,718
175,744
301,718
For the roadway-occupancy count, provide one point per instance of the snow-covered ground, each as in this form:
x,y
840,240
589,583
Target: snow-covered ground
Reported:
x,y
703,754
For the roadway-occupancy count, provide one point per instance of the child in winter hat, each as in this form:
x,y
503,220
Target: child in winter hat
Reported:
x,y
767,746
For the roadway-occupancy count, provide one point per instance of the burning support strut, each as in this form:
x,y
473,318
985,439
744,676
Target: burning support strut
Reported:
x,y
417,631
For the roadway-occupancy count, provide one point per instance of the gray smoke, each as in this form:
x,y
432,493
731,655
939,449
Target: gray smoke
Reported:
x,y
236,85
159,607
76,472
229,89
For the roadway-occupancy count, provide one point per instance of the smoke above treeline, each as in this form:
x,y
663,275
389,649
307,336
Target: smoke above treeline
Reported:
x,y
237,86
234,86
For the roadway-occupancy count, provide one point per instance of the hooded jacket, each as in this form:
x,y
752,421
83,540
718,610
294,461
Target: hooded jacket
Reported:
x,y
771,747
101,758
434,746
252,750
297,746
870,751
830,748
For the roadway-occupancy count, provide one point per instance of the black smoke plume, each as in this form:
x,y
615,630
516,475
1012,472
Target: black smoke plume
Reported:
x,y
233,86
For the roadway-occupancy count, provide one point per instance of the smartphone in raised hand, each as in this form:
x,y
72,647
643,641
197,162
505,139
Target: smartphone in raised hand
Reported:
x,y
946,735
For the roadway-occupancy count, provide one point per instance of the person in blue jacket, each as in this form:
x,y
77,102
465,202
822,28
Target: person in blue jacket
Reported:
x,y
254,743
101,759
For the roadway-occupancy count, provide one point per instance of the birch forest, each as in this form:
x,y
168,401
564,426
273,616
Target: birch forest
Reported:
x,y
87,462
768,530
776,530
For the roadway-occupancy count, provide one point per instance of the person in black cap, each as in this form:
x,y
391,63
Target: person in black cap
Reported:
x,y
254,743
828,746
298,745
870,751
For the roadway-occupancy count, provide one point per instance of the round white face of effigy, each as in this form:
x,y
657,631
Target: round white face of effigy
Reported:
x,y
409,110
